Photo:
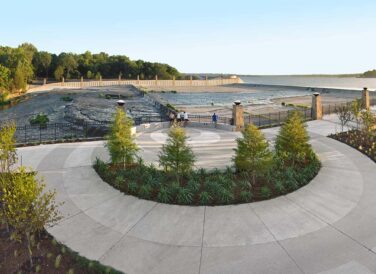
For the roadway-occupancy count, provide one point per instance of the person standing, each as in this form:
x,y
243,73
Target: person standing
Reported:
x,y
178,118
172,118
185,115
215,119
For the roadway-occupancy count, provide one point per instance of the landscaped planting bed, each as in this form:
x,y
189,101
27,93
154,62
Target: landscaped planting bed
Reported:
x,y
48,256
203,187
363,141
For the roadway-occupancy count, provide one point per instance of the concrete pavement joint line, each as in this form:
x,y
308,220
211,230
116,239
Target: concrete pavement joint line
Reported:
x,y
125,234
83,211
202,240
332,226
277,241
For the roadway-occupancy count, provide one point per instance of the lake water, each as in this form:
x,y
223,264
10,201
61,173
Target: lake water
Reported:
x,y
324,82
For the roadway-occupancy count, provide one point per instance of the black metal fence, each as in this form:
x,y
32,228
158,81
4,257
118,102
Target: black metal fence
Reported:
x,y
275,118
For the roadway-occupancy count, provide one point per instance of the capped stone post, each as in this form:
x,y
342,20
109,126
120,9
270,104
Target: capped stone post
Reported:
x,y
62,81
82,82
365,99
156,80
44,81
316,106
238,116
138,79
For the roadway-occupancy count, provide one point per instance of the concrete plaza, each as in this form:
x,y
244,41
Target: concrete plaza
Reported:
x,y
328,226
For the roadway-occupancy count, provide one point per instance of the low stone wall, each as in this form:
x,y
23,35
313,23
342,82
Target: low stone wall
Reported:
x,y
139,83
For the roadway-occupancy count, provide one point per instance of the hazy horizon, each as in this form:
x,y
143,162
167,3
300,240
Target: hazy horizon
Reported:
x,y
244,37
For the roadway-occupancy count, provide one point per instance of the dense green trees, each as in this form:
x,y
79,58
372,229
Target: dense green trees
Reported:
x,y
369,74
25,62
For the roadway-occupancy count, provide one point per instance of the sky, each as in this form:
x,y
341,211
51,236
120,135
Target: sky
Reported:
x,y
238,37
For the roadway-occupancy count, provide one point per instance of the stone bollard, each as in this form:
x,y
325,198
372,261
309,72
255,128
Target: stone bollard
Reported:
x,y
82,82
44,81
156,80
206,80
238,116
191,81
173,80
62,81
316,107
100,80
138,79
365,99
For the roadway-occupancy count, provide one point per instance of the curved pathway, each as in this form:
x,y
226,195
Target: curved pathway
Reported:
x,y
327,226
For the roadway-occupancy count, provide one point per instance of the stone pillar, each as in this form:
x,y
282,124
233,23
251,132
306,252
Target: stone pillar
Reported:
x,y
206,80
365,99
62,81
82,82
138,79
119,78
173,80
190,81
238,116
156,80
100,80
316,106
44,81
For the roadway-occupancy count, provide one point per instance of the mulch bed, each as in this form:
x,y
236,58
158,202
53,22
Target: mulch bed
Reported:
x,y
360,140
14,257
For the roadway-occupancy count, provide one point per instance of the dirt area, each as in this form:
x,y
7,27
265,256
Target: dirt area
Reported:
x,y
14,258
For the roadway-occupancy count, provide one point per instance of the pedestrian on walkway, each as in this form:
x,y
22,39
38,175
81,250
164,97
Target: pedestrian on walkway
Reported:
x,y
172,118
185,115
215,119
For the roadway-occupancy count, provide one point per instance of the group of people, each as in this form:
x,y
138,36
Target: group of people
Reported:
x,y
181,117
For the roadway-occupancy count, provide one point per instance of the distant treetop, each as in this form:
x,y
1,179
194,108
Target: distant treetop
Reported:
x,y
20,65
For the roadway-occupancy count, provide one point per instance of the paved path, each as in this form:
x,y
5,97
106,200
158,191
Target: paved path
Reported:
x,y
328,226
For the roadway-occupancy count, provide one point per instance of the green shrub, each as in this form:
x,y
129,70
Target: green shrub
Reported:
x,y
184,196
245,185
193,185
225,196
41,119
66,99
279,187
205,198
145,191
245,196
266,192
132,187
174,188
164,195
119,181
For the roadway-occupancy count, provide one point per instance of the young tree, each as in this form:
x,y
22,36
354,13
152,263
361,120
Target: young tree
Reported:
x,y
120,141
8,154
368,122
28,207
252,154
292,141
356,109
344,115
176,156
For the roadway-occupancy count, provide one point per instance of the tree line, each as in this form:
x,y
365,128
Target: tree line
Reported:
x,y
369,74
20,65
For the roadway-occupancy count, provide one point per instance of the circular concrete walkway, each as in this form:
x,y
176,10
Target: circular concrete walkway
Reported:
x,y
327,226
